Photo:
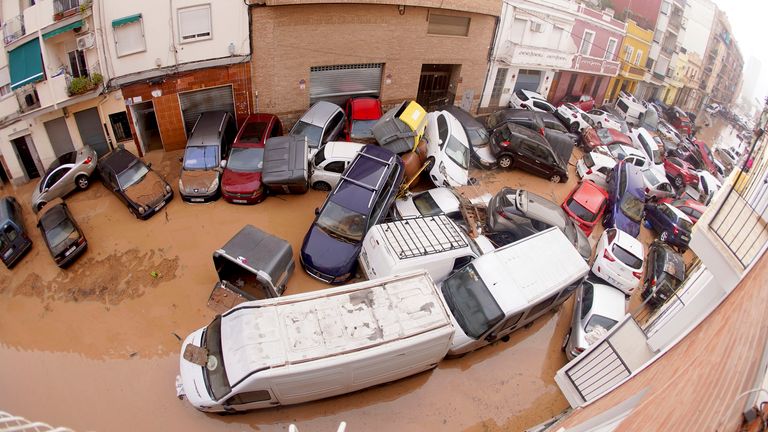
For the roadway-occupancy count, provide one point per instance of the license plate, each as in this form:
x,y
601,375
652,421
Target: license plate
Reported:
x,y
196,199
239,201
70,250
159,206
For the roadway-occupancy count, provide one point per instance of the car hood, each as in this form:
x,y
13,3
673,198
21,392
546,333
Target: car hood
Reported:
x,y
197,181
626,224
148,191
562,145
240,182
327,254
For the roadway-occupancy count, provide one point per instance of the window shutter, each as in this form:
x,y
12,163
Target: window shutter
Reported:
x,y
195,23
129,38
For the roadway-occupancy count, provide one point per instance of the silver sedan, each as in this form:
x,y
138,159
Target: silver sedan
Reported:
x,y
69,172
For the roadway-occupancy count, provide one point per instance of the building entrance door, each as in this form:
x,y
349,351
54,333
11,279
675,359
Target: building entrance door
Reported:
x,y
24,151
437,85
146,126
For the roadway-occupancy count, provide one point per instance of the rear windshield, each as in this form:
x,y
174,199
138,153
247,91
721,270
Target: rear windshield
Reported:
x,y
341,223
521,95
362,128
426,205
201,158
684,225
313,133
215,374
626,257
58,235
253,132
599,321
632,208
478,137
580,211
471,303
246,159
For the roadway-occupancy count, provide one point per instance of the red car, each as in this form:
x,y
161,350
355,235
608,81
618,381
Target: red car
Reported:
x,y
362,113
692,208
680,172
592,138
706,155
680,121
241,180
585,102
585,205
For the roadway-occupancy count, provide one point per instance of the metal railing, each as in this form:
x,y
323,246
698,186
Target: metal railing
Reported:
x,y
64,6
741,221
598,371
13,29
9,422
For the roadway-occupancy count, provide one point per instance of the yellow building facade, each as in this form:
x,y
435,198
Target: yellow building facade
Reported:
x,y
633,55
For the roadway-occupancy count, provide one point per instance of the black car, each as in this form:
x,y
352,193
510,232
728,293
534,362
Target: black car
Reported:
x,y
14,241
664,272
477,134
65,240
143,190
516,146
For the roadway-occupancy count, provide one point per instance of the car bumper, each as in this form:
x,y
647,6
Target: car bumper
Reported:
x,y
18,255
317,274
157,207
200,198
253,198
608,274
69,259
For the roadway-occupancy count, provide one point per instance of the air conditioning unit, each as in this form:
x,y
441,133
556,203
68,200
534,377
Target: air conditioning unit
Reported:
x,y
85,41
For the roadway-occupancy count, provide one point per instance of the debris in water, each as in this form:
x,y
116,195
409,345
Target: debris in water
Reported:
x,y
154,274
177,336
133,354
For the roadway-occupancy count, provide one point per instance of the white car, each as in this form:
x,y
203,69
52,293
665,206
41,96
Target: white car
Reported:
x,y
656,184
712,109
630,109
708,186
431,202
447,150
530,100
669,132
598,308
603,118
643,140
619,260
330,161
595,166
573,116
626,153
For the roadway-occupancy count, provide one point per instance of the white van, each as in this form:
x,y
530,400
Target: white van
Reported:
x,y
630,109
508,288
330,161
309,346
432,243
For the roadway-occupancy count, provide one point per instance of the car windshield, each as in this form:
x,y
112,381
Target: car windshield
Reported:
x,y
132,175
253,132
580,211
362,128
599,321
217,381
201,158
457,152
626,257
342,223
246,159
426,205
58,235
470,302
651,177
478,137
313,133
588,161
632,208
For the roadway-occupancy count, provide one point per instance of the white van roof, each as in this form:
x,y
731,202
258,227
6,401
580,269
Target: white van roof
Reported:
x,y
415,237
270,333
524,272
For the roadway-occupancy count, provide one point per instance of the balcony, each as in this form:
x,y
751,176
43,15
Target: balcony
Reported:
x,y
632,71
65,8
13,29
63,89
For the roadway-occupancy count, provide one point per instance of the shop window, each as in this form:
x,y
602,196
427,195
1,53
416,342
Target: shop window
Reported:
x,y
120,126
448,25
195,23
129,38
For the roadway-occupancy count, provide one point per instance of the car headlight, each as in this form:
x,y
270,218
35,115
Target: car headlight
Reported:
x,y
167,188
214,185
181,186
142,209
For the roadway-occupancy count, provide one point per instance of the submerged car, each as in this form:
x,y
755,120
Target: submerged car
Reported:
x,y
204,156
526,99
523,213
690,207
585,205
477,134
595,167
619,260
14,240
597,308
593,138
680,172
673,226
64,239
241,180
606,117
447,150
576,120
518,147
656,185
68,172
664,273
583,102
330,162
322,122
361,114
143,190
626,198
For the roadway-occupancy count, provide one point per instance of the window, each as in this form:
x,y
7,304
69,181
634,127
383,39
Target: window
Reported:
x,y
586,42
544,305
10,233
611,49
195,23
638,56
665,7
335,166
77,63
628,53
442,130
129,37
120,126
536,27
586,299
55,177
447,25
333,125
249,397
4,90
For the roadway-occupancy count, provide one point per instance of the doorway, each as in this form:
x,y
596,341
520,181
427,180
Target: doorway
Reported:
x,y
498,86
91,130
437,85
4,177
145,122
24,150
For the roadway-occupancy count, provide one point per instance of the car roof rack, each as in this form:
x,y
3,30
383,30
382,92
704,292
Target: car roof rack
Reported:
x,y
420,236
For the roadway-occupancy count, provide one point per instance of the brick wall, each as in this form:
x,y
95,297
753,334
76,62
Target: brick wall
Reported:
x,y
288,40
167,108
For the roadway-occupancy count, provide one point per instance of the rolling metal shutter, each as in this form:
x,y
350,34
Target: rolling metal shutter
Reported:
x,y
337,83
194,103
528,80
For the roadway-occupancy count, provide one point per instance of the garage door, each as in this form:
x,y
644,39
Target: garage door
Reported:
x,y
337,83
528,80
194,103
58,134
91,130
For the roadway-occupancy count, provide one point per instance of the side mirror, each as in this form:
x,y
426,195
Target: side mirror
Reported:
x,y
223,163
317,211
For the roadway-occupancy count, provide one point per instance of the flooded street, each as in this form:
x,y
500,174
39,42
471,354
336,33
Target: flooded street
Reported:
x,y
96,347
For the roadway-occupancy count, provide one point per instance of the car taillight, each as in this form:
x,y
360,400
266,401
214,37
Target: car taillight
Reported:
x,y
647,190
573,115
589,171
88,160
653,282
675,231
504,143
608,256
578,350
81,240
501,213
637,275
541,131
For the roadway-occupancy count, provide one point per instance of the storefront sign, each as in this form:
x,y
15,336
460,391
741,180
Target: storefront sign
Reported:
x,y
528,56
596,66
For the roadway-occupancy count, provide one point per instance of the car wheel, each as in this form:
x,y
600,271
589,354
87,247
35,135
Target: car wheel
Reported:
x,y
679,181
321,186
40,205
555,178
82,182
664,236
565,340
574,128
505,161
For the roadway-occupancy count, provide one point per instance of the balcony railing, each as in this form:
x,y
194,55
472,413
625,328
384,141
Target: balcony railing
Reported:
x,y
65,8
13,29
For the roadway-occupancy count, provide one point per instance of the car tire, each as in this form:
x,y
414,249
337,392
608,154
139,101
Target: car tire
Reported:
x,y
555,178
566,339
574,128
679,181
40,206
82,182
505,161
321,186
664,236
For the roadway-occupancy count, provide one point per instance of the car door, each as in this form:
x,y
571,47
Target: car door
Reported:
x,y
505,327
333,127
248,400
331,171
58,183
526,156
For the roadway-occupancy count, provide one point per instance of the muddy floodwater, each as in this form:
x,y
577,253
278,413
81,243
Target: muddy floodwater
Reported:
x,y
96,347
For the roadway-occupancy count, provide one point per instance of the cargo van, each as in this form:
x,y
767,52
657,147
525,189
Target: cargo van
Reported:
x,y
14,241
309,346
630,109
432,243
510,287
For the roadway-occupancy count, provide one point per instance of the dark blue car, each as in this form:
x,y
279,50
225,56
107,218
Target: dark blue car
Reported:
x,y
673,226
626,198
362,198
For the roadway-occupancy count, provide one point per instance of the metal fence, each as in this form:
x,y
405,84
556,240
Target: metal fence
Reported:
x,y
61,6
13,28
598,371
740,221
12,423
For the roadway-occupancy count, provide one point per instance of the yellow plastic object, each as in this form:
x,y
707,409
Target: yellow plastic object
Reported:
x,y
415,117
